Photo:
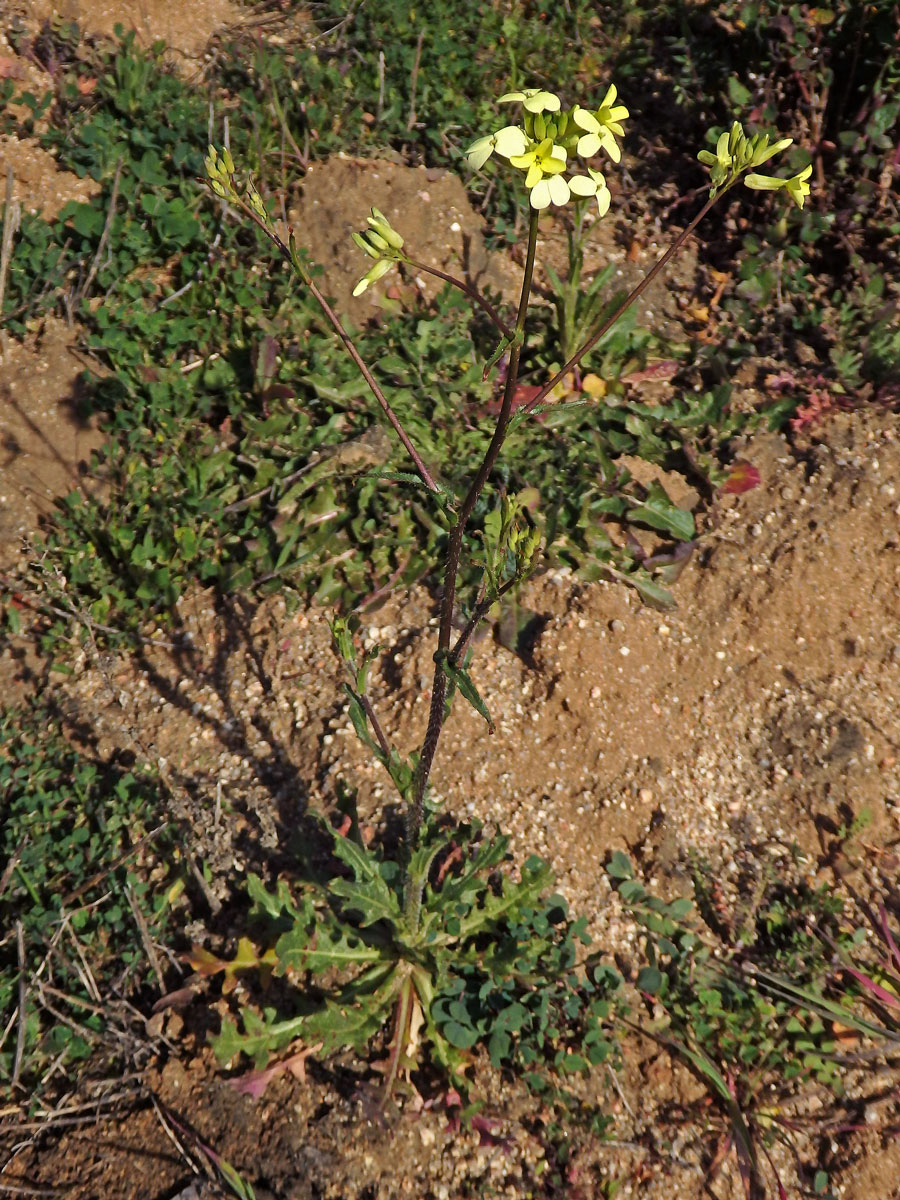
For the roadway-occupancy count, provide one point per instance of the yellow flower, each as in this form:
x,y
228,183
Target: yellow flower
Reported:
x,y
507,141
535,100
592,184
796,187
543,163
602,127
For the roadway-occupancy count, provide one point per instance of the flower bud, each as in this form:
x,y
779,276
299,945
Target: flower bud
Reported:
x,y
364,245
381,268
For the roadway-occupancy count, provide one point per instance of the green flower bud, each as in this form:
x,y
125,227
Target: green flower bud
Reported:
x,y
376,241
382,226
381,268
364,245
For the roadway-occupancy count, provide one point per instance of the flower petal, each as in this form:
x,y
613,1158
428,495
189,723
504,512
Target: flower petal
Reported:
x,y
588,145
585,120
581,185
510,140
798,188
479,152
540,194
611,146
536,100
559,189
534,176
540,101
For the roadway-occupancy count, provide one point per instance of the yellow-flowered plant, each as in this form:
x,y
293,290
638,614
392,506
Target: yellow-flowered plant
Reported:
x,y
388,939
601,127
550,139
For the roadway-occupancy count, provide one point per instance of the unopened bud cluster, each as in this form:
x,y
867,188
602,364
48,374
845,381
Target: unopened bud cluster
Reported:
x,y
523,544
521,540
381,242
220,173
736,153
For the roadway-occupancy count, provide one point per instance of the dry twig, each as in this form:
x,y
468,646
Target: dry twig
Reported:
x,y
10,226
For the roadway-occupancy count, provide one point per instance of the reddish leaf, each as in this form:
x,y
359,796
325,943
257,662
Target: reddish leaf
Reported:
x,y
486,1128
254,1083
887,998
742,477
658,373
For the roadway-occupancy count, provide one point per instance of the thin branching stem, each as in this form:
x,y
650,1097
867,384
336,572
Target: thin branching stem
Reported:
x,y
468,289
478,614
337,325
423,472
633,295
376,726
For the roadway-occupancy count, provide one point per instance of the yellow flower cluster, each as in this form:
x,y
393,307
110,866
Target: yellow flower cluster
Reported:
x,y
548,138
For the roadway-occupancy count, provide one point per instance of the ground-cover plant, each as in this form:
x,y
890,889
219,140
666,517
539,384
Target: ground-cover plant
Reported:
x,y
753,995
435,934
78,913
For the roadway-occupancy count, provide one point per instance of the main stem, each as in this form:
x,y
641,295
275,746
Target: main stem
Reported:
x,y
451,568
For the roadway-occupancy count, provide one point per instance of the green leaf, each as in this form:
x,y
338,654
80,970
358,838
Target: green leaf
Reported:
x,y
371,902
459,678
650,980
326,946
272,903
660,513
650,592
463,1037
619,866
